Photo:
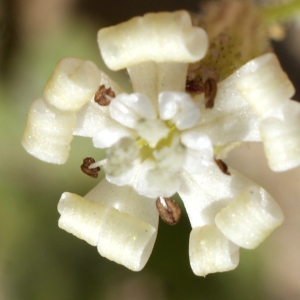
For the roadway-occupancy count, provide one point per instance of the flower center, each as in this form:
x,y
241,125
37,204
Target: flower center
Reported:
x,y
151,147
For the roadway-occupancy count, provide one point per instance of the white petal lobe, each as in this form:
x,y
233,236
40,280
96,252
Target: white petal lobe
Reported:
x,y
250,217
210,251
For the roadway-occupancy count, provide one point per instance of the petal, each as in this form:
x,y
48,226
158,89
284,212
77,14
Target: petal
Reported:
x,y
179,107
124,222
80,217
154,182
196,162
197,141
122,113
140,104
281,137
159,37
250,217
264,85
231,119
152,131
150,78
210,251
72,84
206,194
122,157
200,151
111,134
92,117
48,133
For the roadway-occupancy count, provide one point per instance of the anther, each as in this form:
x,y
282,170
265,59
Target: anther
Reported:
x,y
103,96
222,166
168,210
93,172
192,86
210,91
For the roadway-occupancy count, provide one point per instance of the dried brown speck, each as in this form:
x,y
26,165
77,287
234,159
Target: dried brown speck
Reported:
x,y
210,91
223,167
168,210
101,95
85,167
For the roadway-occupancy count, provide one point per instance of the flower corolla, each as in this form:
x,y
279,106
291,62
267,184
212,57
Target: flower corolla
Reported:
x,y
161,140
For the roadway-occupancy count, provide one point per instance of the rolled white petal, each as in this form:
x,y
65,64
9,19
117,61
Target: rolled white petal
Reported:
x,y
92,117
81,217
110,135
126,240
122,223
206,194
126,200
72,84
250,217
281,137
48,133
264,84
210,251
159,37
129,227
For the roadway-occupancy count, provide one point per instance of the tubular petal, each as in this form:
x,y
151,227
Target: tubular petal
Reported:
x,y
119,221
126,200
250,217
206,194
126,240
160,37
48,133
264,84
210,251
81,217
281,138
72,84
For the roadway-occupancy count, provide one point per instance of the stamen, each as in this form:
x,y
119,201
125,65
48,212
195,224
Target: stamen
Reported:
x,y
85,167
223,167
104,96
210,91
192,86
168,210
99,163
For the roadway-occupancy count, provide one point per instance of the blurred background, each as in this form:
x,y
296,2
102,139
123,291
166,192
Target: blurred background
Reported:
x,y
38,261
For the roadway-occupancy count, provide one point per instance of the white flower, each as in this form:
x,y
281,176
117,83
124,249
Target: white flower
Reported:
x,y
160,140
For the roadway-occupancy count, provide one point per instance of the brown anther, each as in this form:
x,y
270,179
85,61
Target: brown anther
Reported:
x,y
168,210
210,91
191,86
101,95
222,166
85,167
